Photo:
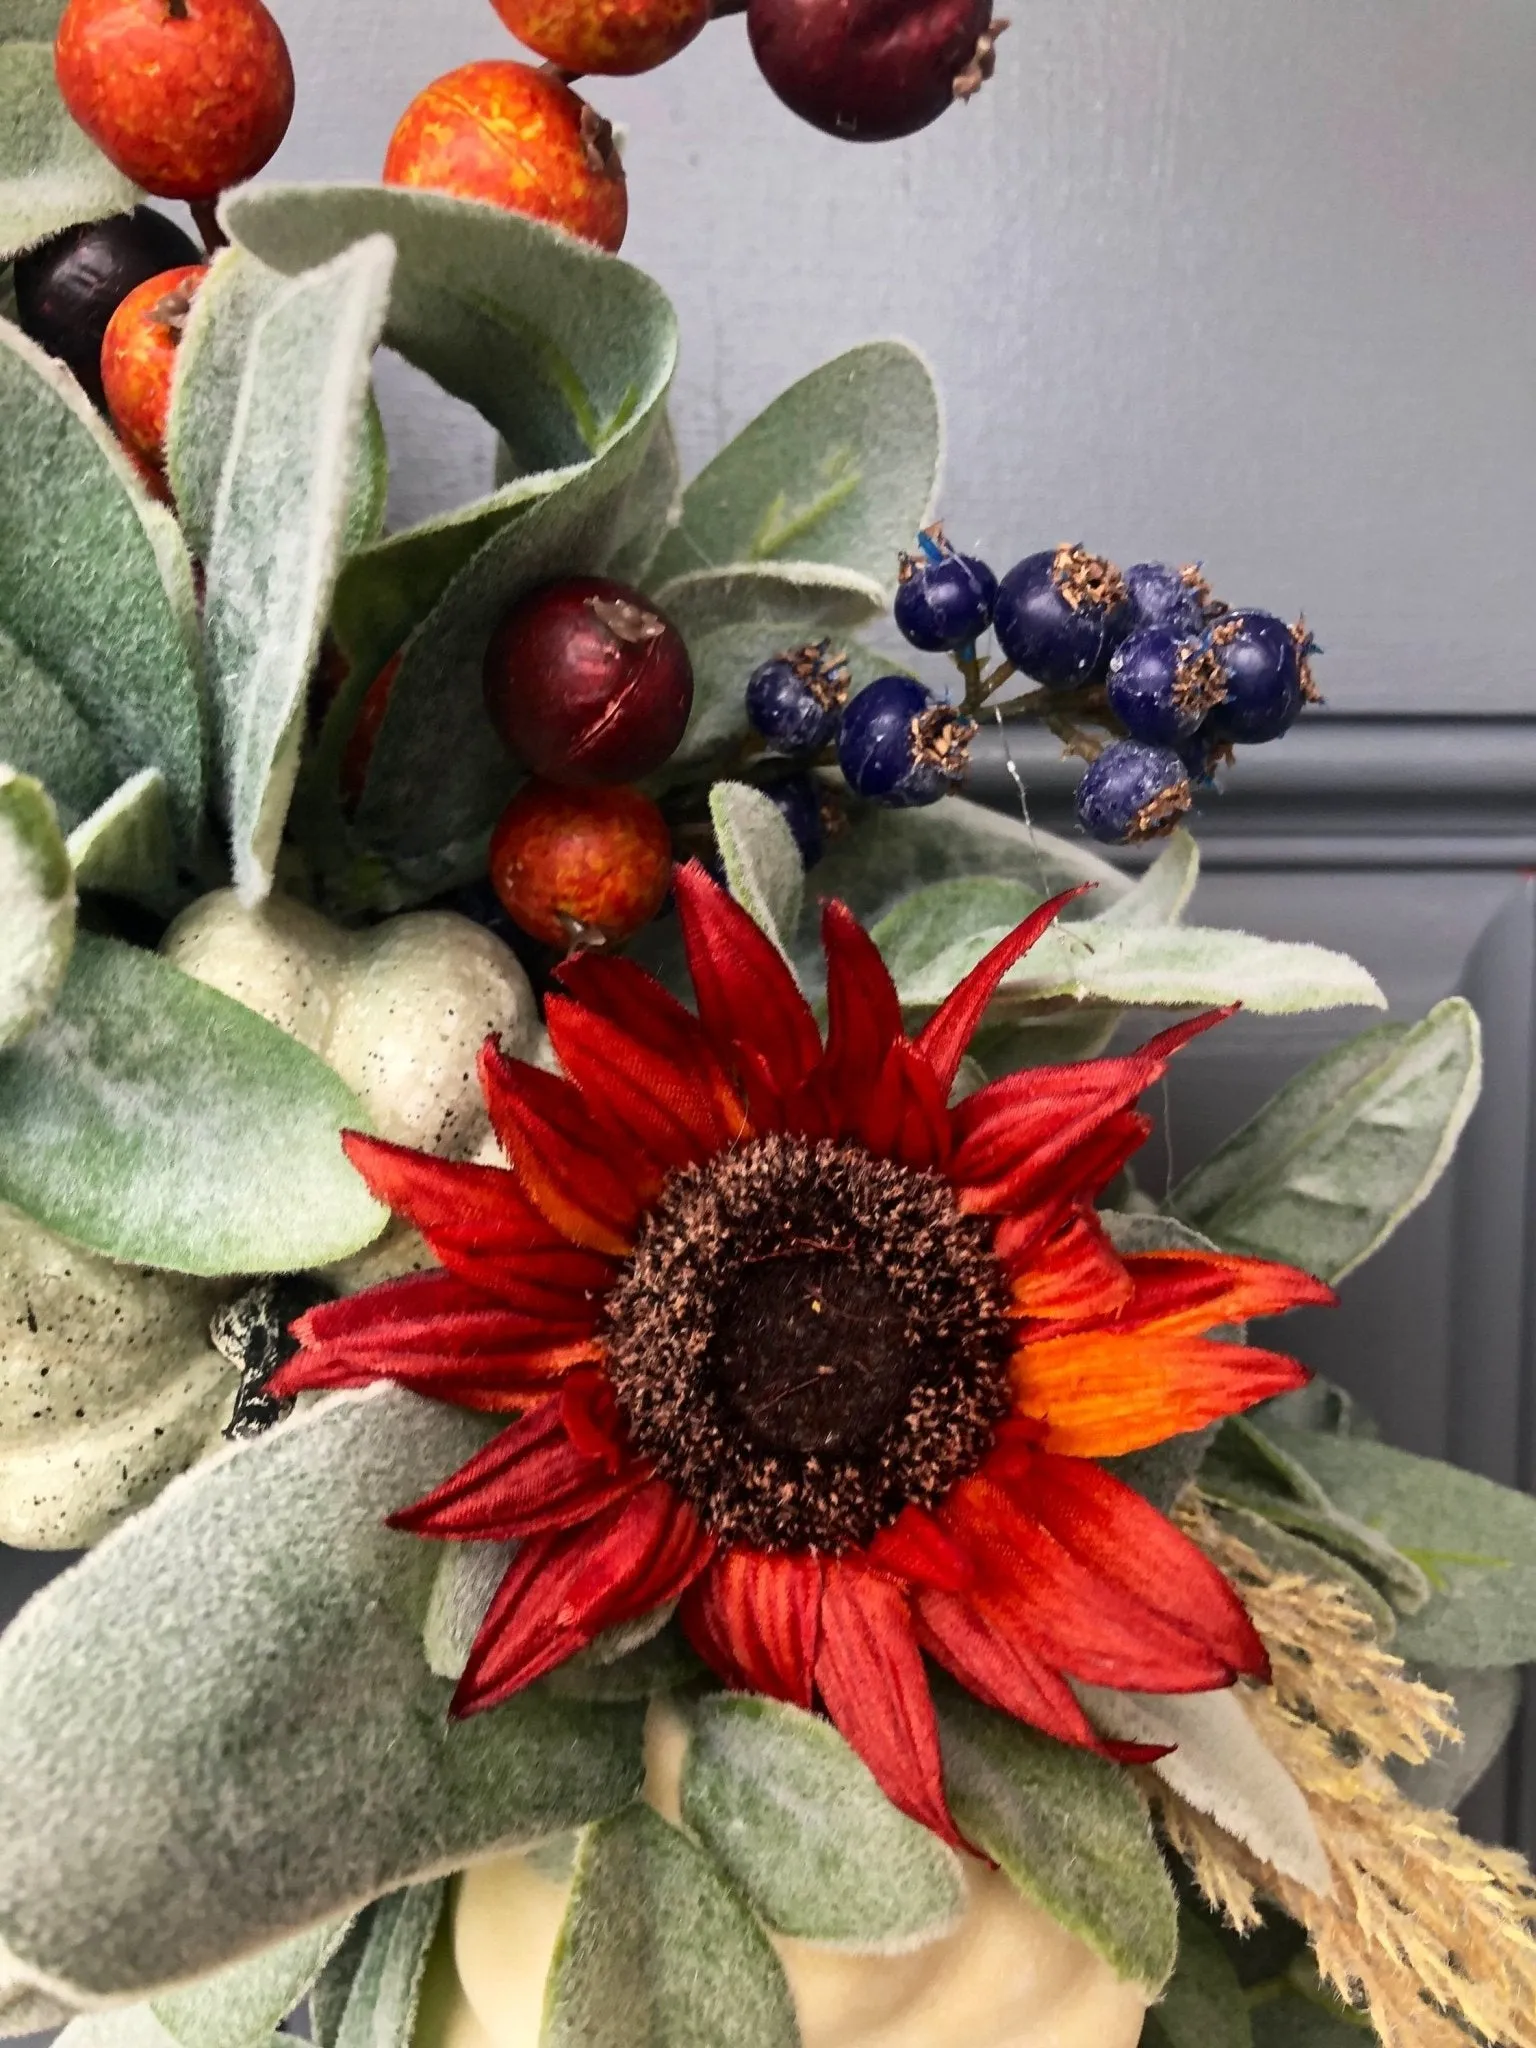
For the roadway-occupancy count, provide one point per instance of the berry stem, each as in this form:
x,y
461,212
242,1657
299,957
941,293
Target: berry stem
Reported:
x,y
722,7
205,213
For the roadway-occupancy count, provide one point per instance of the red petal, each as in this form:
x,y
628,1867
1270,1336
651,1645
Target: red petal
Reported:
x,y
1127,1544
1076,1175
634,1003
640,1095
973,1641
1107,1392
755,1619
863,1023
564,1588
869,1672
482,1226
592,1186
749,1001
905,1116
1077,1271
914,1547
528,1478
944,1038
1178,1292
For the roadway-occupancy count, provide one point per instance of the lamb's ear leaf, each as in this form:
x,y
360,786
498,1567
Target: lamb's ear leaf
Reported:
x,y
153,1119
37,905
96,598
1202,2005
30,21
1068,1829
840,468
649,509
1332,1165
658,1946
1161,895
802,1829
238,1669
124,847
243,2006
369,1994
51,173
762,861
278,530
42,734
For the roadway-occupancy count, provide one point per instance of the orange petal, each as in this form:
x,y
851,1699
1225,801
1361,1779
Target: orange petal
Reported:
x,y
1100,1394
1187,1292
1078,1269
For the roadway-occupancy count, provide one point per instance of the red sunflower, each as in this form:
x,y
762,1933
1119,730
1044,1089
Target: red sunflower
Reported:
x,y
791,1341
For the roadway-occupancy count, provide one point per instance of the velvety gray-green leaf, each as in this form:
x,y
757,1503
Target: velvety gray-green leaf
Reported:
x,y
793,1816
29,21
95,587
153,1119
378,2008
1068,1829
42,734
1285,1550
1203,2004
241,2007
1487,1705
125,846
238,1671
1474,1540
278,529
762,861
1161,895
37,905
1289,2020
658,1947
1327,1170
647,510
840,468
51,173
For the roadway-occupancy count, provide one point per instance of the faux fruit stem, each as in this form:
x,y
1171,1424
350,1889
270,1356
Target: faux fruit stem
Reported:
x,y
205,216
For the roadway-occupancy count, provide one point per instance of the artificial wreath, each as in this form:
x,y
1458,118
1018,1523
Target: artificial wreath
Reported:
x,y
646,1470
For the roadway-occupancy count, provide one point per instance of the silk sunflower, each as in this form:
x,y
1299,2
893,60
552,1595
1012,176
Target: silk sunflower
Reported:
x,y
790,1340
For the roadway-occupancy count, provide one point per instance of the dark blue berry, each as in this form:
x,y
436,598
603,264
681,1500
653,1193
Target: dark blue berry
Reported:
x,y
1059,617
1262,659
799,802
1162,683
796,699
1131,792
899,745
944,600
1164,596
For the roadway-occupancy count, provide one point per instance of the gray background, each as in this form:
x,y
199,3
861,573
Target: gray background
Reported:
x,y
1241,279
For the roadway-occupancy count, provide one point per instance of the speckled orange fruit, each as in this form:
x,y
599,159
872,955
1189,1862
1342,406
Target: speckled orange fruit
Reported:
x,y
581,866
518,138
186,97
365,733
619,37
139,354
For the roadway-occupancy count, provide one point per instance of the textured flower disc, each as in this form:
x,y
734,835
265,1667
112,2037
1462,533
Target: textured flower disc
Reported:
x,y
516,137
787,1339
187,97
614,36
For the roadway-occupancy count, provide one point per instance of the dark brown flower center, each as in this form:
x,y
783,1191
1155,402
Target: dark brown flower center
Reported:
x,y
808,1339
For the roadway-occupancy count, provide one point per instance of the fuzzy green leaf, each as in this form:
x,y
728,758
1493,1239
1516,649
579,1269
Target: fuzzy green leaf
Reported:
x,y
762,861
30,21
155,1120
1475,1541
804,1832
657,1947
242,2006
51,173
1161,895
278,528
1285,1550
647,510
369,1993
42,734
1292,2020
1331,1166
95,592
1203,2005
125,846
840,468
133,2026
108,1387
238,1671
37,905
1068,1829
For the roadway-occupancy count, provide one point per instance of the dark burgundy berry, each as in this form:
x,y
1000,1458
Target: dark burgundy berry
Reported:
x,y
588,683
1160,595
869,70
944,600
1060,615
68,288
1132,792
1268,677
899,745
799,802
796,699
1162,683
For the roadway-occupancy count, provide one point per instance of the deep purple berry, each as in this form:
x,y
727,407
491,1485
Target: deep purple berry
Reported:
x,y
1162,683
900,745
68,288
1132,792
797,699
1264,663
1059,616
944,600
1161,595
799,802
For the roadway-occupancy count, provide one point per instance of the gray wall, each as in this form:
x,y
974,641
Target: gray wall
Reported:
x,y
1247,279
